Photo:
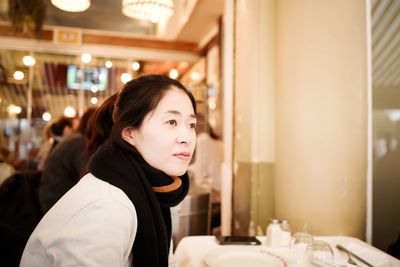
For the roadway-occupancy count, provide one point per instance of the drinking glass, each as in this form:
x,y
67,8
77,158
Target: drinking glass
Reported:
x,y
298,247
320,253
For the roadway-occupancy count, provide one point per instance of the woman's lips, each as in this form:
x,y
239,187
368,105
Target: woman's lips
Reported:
x,y
182,155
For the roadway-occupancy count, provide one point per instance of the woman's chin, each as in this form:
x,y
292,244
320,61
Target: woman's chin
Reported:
x,y
176,172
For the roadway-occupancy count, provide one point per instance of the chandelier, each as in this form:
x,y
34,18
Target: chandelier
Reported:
x,y
151,10
72,5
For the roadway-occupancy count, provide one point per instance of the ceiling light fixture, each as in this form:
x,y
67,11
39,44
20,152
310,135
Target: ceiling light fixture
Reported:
x,y
18,75
151,10
72,5
28,61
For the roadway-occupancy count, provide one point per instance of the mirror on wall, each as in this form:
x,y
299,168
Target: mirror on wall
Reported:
x,y
38,87
386,122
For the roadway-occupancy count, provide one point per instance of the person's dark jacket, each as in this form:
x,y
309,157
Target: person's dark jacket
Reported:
x,y
19,214
63,169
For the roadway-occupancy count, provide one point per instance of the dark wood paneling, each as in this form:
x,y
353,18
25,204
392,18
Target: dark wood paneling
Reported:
x,y
9,31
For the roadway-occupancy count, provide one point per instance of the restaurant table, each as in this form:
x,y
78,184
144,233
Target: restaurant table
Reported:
x,y
192,250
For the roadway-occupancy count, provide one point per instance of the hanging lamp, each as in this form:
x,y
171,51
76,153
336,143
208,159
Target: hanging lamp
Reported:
x,y
150,10
71,5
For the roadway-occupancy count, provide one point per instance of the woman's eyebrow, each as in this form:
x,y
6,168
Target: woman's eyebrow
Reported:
x,y
175,112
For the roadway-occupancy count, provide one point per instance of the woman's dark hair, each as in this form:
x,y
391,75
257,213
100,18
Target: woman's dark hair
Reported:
x,y
83,122
136,99
99,126
58,126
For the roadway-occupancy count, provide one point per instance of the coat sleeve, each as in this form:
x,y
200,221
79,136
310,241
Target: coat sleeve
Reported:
x,y
101,234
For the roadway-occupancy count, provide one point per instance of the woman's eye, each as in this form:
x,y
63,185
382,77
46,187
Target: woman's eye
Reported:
x,y
192,125
172,122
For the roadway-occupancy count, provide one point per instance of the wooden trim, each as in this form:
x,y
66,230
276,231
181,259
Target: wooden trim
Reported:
x,y
91,38
136,42
216,40
9,31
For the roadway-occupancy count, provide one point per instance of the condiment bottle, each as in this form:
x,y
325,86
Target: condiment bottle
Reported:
x,y
274,234
285,234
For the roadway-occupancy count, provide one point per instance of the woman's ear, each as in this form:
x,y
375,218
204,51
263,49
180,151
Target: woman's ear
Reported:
x,y
128,135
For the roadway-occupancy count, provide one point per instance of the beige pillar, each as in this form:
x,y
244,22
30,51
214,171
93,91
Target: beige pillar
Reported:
x,y
253,197
321,115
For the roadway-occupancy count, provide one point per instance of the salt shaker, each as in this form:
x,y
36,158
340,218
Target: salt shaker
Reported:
x,y
274,234
285,235
252,228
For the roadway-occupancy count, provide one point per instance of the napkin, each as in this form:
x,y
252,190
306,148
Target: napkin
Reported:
x,y
372,256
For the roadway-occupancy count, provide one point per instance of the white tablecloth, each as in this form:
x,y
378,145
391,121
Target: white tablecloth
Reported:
x,y
191,250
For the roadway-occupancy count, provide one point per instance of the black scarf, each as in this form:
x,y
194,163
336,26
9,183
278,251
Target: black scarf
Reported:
x,y
124,168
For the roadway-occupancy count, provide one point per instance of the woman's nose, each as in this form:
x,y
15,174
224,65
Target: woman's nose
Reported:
x,y
185,135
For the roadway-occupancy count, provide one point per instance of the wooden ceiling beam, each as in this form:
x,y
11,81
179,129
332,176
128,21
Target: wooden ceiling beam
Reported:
x,y
93,38
8,31
136,42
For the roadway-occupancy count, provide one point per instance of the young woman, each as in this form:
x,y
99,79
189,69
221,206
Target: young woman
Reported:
x,y
119,213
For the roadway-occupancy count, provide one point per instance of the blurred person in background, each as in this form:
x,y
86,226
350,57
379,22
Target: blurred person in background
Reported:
x,y
64,165
54,133
62,128
208,158
206,166
46,146
6,169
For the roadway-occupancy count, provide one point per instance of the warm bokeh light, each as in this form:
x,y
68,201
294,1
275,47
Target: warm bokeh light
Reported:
x,y
195,76
86,58
13,109
94,100
46,116
94,89
212,105
108,64
69,112
102,77
18,75
28,61
126,77
173,73
135,66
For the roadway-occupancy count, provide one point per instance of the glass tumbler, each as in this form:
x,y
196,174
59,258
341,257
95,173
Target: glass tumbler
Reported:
x,y
320,253
298,247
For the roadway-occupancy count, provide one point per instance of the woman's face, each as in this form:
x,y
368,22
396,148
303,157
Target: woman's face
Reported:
x,y
167,138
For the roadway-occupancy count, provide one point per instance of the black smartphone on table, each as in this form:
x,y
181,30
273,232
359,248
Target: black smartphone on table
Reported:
x,y
237,240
